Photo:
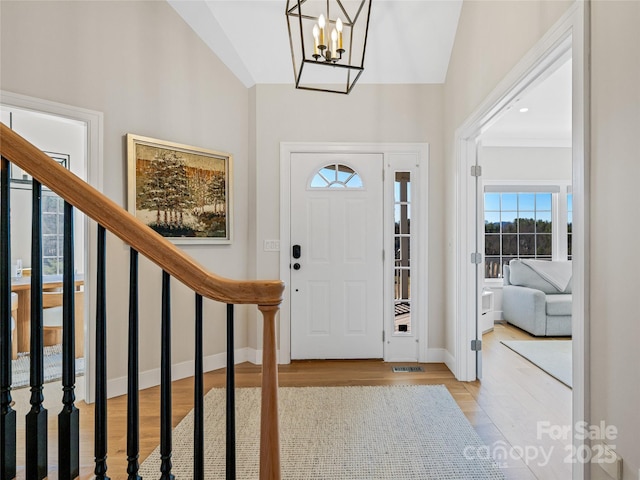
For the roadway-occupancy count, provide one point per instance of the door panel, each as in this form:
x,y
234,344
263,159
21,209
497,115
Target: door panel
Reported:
x,y
337,293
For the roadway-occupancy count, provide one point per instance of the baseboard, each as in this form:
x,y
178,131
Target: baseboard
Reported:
x,y
255,356
440,355
151,378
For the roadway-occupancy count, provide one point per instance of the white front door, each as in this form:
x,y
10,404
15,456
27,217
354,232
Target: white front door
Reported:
x,y
336,256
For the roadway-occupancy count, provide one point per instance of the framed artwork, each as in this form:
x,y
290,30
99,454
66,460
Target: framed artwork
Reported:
x,y
182,192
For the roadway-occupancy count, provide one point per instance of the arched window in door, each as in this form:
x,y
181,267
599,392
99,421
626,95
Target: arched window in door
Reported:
x,y
336,175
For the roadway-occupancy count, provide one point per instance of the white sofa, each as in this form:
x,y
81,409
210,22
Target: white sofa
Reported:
x,y
536,296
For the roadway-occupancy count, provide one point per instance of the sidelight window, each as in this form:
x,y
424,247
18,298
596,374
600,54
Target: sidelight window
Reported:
x,y
402,242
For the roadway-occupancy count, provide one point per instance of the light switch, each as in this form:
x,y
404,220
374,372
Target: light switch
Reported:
x,y
272,245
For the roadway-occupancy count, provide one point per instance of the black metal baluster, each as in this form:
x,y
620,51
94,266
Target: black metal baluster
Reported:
x,y
198,400
165,381
7,414
69,417
231,401
100,438
133,405
36,424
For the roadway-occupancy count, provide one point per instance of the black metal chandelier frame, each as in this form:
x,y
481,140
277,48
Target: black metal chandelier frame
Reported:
x,y
294,12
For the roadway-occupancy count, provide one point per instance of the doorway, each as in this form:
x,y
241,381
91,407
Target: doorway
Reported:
x,y
55,121
568,35
372,295
64,140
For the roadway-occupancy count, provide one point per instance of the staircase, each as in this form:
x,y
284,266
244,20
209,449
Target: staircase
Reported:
x,y
175,264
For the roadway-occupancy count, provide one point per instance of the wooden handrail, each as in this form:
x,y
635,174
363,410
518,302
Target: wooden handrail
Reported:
x,y
131,230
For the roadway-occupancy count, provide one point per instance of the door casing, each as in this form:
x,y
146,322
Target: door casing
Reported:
x,y
571,32
392,153
94,171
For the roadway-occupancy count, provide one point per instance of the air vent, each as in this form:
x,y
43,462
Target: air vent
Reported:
x,y
407,369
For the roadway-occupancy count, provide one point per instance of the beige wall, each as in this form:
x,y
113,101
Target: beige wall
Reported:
x,y
141,65
615,228
371,113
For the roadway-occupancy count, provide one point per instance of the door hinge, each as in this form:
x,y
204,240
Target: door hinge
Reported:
x,y
476,258
476,170
383,255
383,336
476,345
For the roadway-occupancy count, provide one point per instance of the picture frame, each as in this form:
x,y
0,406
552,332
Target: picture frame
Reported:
x,y
182,192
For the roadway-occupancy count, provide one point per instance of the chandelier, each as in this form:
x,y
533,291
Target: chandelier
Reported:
x,y
328,41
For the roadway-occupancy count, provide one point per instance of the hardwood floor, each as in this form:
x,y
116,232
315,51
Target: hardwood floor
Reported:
x,y
505,407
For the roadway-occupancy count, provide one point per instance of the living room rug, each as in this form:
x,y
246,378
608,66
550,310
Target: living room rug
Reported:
x,y
391,432
552,356
52,367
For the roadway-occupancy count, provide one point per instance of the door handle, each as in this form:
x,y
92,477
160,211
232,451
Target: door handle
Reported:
x,y
296,251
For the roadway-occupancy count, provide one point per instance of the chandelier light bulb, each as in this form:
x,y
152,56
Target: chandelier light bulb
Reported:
x,y
334,42
316,35
321,24
339,28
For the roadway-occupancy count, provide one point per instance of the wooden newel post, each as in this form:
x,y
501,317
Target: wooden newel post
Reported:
x,y
269,426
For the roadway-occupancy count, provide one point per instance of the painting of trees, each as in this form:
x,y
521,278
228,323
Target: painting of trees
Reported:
x,y
180,192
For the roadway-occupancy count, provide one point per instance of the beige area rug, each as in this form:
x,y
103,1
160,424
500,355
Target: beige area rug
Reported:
x,y
392,432
52,361
552,356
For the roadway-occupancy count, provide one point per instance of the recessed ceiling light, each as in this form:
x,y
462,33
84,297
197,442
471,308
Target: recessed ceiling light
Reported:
x,y
524,110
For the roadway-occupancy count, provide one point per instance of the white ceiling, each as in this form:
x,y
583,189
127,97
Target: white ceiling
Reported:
x,y
409,41
547,123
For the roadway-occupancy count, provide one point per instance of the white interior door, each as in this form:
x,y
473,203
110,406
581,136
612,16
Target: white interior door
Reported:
x,y
336,256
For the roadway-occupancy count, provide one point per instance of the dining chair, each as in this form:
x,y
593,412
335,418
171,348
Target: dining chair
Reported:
x,y
52,320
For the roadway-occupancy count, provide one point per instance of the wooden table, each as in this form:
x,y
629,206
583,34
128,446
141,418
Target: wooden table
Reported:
x,y
22,286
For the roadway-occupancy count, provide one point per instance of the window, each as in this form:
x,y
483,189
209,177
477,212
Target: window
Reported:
x,y
336,176
402,242
52,216
516,225
52,233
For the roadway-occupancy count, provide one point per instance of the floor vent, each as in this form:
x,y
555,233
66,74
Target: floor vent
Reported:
x,y
407,369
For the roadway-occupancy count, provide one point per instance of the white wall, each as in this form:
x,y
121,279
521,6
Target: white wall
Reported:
x,y
141,65
371,113
525,163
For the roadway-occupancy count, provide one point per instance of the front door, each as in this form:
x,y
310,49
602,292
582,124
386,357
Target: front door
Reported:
x,y
336,256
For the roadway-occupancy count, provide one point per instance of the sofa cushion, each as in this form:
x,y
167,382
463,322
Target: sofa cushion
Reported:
x,y
523,275
559,304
